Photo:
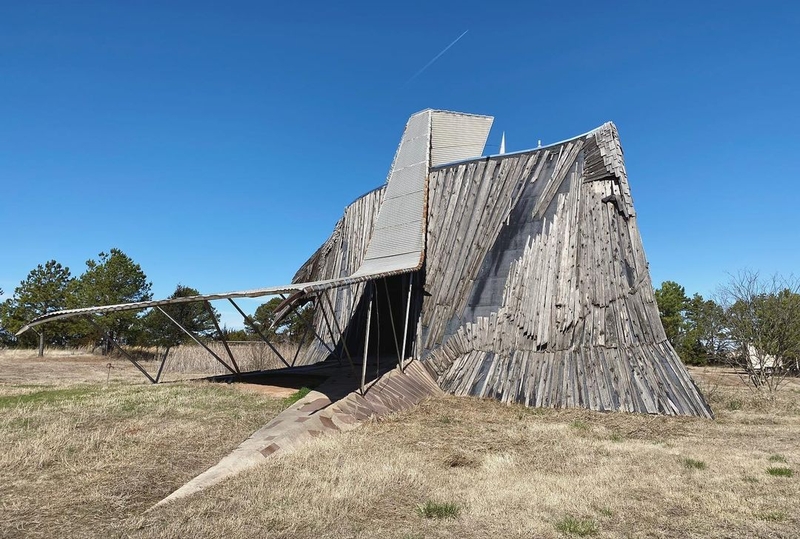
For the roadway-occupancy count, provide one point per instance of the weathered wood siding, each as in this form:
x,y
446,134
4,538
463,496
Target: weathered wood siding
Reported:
x,y
339,256
539,290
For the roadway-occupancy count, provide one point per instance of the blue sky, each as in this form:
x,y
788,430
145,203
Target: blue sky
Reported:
x,y
217,144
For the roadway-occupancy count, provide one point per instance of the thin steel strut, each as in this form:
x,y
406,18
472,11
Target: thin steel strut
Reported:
x,y
115,343
311,327
330,332
300,346
163,362
222,336
391,320
198,341
366,342
253,325
353,296
339,329
377,333
405,326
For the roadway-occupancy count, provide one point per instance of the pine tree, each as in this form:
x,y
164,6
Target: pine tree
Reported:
x,y
112,279
45,289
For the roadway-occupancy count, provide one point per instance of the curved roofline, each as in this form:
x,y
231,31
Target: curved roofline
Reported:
x,y
520,152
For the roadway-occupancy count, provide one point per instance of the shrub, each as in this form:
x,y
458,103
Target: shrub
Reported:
x,y
432,509
693,464
780,471
577,526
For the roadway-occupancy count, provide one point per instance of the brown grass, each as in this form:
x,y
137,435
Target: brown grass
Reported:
x,y
510,471
183,362
77,459
252,356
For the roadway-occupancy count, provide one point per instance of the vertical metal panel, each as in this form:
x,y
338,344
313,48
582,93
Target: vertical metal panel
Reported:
x,y
398,239
457,136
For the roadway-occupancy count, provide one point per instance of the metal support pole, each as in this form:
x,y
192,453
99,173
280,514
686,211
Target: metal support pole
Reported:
x,y
339,329
310,326
391,319
161,367
405,326
330,331
124,353
300,346
195,339
255,328
366,344
377,333
222,336
353,295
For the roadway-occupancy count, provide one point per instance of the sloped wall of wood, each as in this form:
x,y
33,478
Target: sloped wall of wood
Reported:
x,y
539,290
339,256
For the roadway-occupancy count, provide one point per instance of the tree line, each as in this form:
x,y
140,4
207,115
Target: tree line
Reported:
x,y
115,278
753,324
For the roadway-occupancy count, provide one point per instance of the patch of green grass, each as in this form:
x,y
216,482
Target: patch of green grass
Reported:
x,y
46,396
579,425
432,509
693,464
577,526
302,392
777,458
780,471
771,516
606,512
616,437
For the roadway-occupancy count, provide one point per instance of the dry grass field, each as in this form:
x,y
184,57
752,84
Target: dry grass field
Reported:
x,y
86,460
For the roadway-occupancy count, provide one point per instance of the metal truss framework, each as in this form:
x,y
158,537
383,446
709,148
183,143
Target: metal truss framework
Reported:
x,y
338,336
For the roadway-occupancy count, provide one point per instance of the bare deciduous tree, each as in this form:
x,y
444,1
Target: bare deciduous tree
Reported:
x,y
763,321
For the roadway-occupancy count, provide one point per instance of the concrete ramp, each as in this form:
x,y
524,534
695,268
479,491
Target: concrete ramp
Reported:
x,y
328,409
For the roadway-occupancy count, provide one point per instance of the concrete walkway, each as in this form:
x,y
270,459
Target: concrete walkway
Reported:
x,y
332,407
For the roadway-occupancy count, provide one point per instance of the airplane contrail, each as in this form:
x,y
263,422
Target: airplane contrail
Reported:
x,y
426,66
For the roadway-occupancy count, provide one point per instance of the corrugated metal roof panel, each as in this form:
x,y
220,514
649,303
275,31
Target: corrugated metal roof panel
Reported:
x,y
393,233
457,136
406,180
396,209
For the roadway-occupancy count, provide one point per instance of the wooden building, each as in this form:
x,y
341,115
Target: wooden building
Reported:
x,y
519,277
534,286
